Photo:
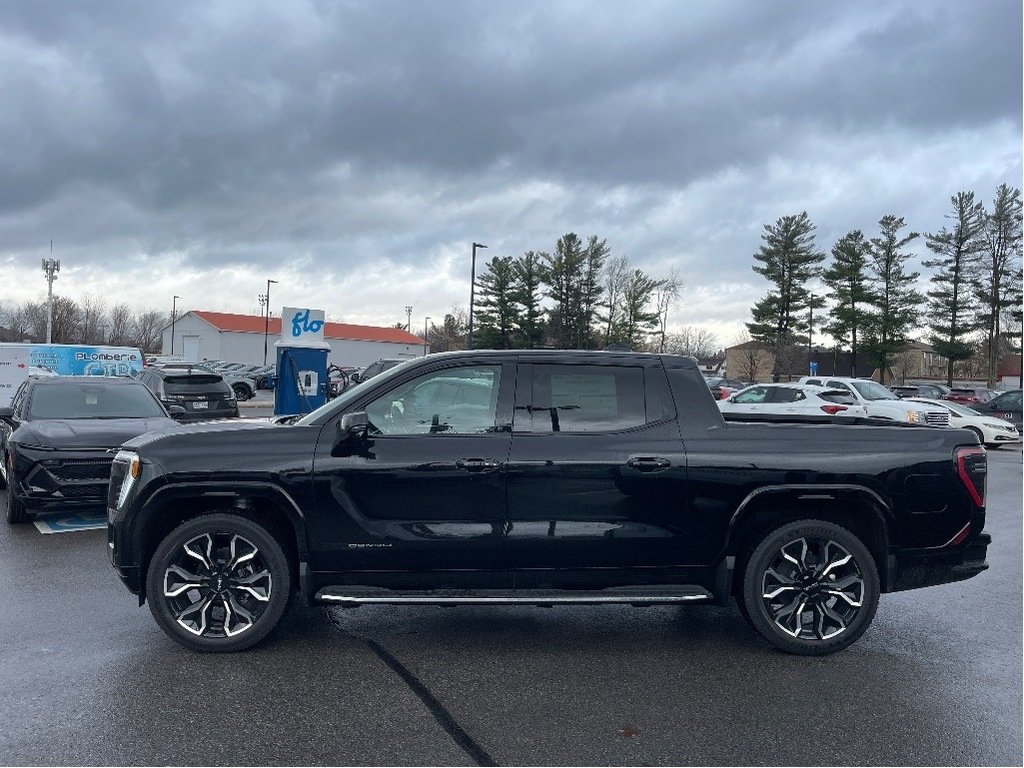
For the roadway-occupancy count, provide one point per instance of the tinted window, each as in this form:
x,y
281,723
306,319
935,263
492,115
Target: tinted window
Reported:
x,y
1009,402
838,396
586,398
90,400
785,395
454,401
190,382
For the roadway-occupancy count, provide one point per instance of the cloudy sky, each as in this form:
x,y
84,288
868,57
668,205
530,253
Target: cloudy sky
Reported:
x,y
354,150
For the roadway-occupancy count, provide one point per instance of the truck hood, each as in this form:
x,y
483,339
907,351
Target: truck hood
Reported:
x,y
89,433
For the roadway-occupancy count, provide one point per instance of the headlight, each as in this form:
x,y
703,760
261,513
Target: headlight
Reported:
x,y
134,468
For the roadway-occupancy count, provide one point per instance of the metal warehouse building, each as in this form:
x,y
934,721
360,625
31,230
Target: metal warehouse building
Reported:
x,y
201,335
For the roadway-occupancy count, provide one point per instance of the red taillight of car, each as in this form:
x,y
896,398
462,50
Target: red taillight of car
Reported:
x,y
972,468
832,410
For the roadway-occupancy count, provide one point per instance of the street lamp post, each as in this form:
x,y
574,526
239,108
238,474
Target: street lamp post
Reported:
x,y
425,321
174,310
472,287
408,318
50,269
265,300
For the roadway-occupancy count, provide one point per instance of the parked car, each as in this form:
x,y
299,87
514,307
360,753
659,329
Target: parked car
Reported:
x,y
56,436
928,390
881,403
722,387
1006,406
792,399
970,395
242,385
991,431
543,477
377,367
202,394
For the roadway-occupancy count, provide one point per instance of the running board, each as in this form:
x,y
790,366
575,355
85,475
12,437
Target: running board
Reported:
x,y
648,595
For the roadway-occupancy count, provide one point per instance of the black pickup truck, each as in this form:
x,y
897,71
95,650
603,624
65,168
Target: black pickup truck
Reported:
x,y
543,478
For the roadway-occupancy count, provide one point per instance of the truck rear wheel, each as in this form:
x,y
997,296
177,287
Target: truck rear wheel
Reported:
x,y
218,583
810,587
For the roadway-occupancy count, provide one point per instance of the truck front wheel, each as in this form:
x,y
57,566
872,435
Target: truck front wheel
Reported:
x,y
810,587
218,583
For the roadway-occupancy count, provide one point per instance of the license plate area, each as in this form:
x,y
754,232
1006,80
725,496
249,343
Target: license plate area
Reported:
x,y
200,405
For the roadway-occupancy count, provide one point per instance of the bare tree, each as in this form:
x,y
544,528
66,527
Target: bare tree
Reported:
x,y
67,318
692,341
92,311
147,329
616,273
120,324
666,298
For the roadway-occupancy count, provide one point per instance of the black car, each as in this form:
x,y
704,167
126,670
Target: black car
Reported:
x,y
543,478
56,436
377,367
201,393
1006,406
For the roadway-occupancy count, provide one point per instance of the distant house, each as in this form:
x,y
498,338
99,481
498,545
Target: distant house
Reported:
x,y
755,361
1008,375
711,366
201,335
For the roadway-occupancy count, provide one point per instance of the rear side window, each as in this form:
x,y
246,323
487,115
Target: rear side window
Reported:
x,y
785,395
586,398
838,396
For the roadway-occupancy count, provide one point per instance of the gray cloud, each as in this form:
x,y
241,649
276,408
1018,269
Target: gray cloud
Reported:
x,y
243,134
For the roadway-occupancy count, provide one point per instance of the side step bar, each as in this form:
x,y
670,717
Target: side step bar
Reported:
x,y
649,595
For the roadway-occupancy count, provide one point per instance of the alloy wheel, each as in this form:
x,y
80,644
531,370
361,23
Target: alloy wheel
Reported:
x,y
812,588
217,585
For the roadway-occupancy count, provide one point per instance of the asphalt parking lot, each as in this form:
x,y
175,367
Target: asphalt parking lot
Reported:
x,y
88,678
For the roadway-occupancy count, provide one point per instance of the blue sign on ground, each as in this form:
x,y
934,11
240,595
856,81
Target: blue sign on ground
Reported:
x,y
70,523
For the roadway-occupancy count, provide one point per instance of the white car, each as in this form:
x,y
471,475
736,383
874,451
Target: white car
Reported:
x,y
787,399
881,403
990,430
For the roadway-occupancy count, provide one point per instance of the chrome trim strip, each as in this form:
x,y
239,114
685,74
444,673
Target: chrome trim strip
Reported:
x,y
403,600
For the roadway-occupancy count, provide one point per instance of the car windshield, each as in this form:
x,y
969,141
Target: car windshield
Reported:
x,y
871,390
92,400
963,410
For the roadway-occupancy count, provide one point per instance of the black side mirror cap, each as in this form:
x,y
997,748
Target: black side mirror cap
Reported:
x,y
7,414
176,411
353,424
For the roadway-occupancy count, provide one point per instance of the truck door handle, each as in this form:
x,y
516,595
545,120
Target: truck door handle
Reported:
x,y
648,463
477,465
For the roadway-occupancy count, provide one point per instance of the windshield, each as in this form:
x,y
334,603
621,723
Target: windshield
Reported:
x,y
871,390
338,404
92,400
963,410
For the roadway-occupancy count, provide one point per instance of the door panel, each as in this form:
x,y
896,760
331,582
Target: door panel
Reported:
x,y
425,489
583,504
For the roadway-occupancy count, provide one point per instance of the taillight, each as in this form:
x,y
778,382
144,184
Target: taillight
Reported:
x,y
972,467
832,410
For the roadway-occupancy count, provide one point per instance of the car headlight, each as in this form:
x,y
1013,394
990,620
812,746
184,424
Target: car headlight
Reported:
x,y
132,473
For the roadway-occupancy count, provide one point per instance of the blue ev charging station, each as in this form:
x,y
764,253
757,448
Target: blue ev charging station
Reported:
x,y
301,362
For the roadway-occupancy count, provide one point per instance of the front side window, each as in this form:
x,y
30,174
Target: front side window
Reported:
x,y
1008,402
586,398
455,401
751,396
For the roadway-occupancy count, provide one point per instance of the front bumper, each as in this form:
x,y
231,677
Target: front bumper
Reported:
x,y
926,569
45,480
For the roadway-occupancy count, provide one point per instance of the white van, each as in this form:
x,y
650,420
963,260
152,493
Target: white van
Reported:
x,y
17,361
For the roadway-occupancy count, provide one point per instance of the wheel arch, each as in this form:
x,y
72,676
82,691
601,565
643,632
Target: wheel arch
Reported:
x,y
264,504
854,507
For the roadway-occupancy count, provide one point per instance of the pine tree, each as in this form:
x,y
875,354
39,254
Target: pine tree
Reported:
x,y
789,261
847,279
998,290
952,305
637,317
573,279
527,295
896,305
497,311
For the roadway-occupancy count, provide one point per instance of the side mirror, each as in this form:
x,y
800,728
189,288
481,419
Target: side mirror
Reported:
x,y
176,411
6,414
352,429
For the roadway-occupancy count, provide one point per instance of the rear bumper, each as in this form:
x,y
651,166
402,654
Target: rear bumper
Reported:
x,y
943,567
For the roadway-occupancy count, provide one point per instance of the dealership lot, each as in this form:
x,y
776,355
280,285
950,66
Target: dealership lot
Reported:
x,y
89,678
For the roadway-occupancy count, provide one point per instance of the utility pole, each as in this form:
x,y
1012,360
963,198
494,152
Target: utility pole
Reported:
x,y
408,318
174,317
50,269
472,287
810,335
265,301
425,321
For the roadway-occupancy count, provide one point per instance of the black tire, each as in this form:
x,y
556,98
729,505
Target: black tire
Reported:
x,y
839,601
16,512
230,607
242,392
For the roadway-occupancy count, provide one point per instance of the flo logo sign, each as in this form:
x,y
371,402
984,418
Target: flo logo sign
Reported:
x,y
302,325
